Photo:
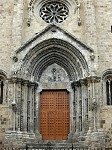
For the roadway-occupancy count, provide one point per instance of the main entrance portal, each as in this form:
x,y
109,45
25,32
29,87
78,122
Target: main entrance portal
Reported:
x,y
54,114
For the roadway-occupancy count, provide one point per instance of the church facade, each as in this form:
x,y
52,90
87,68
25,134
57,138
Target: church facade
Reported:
x,y
56,72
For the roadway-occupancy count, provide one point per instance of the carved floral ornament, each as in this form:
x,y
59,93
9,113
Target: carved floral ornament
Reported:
x,y
54,12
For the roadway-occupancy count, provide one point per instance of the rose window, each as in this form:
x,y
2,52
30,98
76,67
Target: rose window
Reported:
x,y
54,12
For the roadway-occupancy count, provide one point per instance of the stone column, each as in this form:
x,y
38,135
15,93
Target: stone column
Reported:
x,y
14,105
35,105
5,92
74,106
0,91
25,99
10,99
32,85
90,113
18,97
77,106
21,106
80,107
84,96
97,100
31,106
29,109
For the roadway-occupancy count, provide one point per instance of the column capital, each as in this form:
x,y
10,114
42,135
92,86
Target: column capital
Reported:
x,y
34,84
25,82
74,84
19,80
93,79
79,83
83,82
14,79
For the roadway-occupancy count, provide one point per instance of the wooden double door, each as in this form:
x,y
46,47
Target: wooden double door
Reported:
x,y
54,114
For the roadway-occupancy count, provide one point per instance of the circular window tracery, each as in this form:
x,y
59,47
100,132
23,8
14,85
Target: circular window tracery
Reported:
x,y
54,12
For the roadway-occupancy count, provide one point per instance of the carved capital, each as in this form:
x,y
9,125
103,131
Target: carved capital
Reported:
x,y
19,80
93,79
31,84
14,80
77,84
25,82
83,82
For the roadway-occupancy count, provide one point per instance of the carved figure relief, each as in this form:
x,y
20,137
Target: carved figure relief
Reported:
x,y
54,73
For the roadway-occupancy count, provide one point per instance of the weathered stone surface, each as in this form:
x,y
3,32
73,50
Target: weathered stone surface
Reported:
x,y
4,119
79,48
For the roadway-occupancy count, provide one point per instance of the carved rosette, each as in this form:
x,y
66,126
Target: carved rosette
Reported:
x,y
54,12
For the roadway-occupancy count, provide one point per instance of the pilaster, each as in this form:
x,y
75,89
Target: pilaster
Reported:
x,y
13,104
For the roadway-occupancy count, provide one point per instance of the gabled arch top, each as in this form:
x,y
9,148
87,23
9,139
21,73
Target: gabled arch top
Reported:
x,y
54,45
53,31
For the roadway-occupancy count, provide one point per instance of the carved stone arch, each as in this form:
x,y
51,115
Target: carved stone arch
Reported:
x,y
2,84
106,73
56,51
106,89
70,70
50,58
3,74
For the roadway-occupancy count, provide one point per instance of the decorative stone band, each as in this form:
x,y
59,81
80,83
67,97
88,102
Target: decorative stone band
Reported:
x,y
23,82
86,81
92,79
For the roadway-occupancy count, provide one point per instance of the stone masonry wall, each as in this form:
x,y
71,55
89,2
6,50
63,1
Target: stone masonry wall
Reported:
x,y
3,121
6,15
104,35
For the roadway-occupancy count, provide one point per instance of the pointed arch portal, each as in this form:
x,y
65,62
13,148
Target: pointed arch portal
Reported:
x,y
54,64
53,51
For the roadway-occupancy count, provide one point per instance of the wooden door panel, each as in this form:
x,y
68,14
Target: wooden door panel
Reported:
x,y
54,115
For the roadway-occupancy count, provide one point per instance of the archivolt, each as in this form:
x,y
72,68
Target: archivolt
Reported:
x,y
3,74
55,51
106,73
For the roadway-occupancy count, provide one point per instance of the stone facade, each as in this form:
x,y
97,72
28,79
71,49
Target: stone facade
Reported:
x,y
4,115
79,49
